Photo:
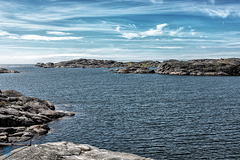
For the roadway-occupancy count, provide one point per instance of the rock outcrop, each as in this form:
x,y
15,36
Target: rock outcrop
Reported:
x,y
82,63
23,117
93,63
68,151
4,70
201,67
146,64
136,70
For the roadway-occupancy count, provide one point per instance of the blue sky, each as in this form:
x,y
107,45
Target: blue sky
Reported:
x,y
125,30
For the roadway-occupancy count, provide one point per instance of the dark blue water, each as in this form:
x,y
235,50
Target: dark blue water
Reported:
x,y
156,116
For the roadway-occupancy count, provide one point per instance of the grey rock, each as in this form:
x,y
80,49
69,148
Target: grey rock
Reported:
x,y
23,117
11,93
137,70
201,67
68,151
93,63
3,138
4,70
146,64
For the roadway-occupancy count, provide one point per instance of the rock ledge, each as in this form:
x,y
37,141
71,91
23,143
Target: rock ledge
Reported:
x,y
68,151
21,118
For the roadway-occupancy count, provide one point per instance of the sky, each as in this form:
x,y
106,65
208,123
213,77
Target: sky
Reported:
x,y
34,31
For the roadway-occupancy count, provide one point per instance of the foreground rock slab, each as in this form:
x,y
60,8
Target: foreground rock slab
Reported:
x,y
201,67
68,151
21,118
4,70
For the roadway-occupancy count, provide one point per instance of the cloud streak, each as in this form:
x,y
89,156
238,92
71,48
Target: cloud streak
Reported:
x,y
46,38
58,33
38,37
160,30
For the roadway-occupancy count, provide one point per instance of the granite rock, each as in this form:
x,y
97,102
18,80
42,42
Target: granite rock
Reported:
x,y
93,63
136,70
201,67
23,117
68,151
4,70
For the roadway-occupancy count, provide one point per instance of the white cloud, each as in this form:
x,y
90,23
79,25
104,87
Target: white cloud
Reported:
x,y
130,35
223,13
160,30
169,47
176,32
45,38
7,34
36,37
127,35
4,33
118,29
154,32
58,33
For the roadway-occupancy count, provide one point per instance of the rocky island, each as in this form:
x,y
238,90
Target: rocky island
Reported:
x,y
4,70
21,118
68,151
201,67
93,63
135,70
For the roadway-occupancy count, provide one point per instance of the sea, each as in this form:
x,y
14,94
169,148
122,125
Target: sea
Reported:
x,y
151,115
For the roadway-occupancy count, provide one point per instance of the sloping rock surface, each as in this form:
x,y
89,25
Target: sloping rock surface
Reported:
x,y
23,117
201,67
68,151
4,70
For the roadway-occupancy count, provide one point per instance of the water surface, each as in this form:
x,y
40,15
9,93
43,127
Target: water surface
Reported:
x,y
156,116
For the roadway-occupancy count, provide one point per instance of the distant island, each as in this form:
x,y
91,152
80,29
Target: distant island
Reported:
x,y
201,67
197,67
93,63
133,69
4,70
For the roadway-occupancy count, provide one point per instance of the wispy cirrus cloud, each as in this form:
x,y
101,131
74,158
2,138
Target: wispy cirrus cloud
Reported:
x,y
154,32
223,13
36,37
58,33
160,30
142,28
46,38
156,1
169,47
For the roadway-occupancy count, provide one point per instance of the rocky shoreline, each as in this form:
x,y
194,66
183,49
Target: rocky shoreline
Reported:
x,y
93,63
134,70
68,151
201,67
197,67
21,118
4,70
